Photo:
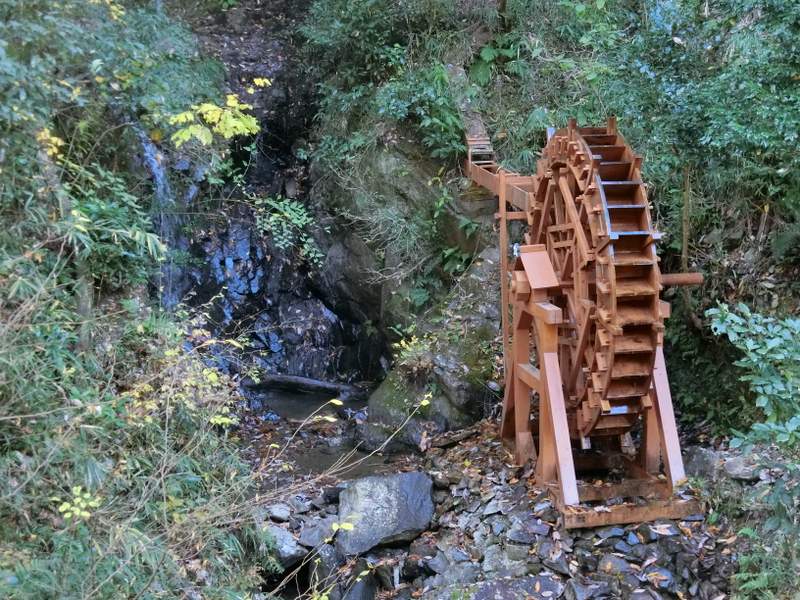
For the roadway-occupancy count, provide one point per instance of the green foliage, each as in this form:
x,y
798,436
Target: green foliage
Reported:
x,y
770,360
109,229
203,120
119,478
424,98
496,55
770,365
290,224
362,52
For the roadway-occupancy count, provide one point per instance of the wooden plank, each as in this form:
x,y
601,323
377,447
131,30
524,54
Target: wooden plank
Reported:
x,y
627,513
485,178
545,312
629,488
523,447
572,212
513,215
548,202
538,267
577,356
501,199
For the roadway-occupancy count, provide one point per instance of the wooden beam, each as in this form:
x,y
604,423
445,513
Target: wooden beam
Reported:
x,y
529,375
583,342
548,201
513,215
501,199
629,513
545,312
670,444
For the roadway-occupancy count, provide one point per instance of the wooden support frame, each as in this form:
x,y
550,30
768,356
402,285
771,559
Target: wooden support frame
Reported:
x,y
594,321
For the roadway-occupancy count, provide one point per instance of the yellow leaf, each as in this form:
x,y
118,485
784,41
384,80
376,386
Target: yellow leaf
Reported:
x,y
336,402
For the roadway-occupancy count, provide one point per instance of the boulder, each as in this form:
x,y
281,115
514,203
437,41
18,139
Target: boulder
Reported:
x,y
279,512
457,362
702,462
384,510
583,588
317,531
287,551
739,468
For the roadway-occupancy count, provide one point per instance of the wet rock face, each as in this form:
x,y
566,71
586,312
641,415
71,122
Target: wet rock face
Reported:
x,y
384,510
249,285
300,321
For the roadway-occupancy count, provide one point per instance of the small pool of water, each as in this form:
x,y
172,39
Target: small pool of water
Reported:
x,y
348,462
297,405
318,450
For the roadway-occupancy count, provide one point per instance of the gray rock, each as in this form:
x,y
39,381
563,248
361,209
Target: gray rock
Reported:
x,y
646,533
583,588
300,505
640,594
740,469
384,510
614,565
540,587
279,512
363,588
659,577
439,563
609,532
500,564
622,547
527,532
287,551
517,551
317,531
702,462
558,563
455,368
494,507
458,555
322,571
462,573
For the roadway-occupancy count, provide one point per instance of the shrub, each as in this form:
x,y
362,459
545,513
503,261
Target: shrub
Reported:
x,y
770,360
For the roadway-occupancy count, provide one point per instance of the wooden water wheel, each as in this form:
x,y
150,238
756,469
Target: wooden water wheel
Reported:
x,y
583,326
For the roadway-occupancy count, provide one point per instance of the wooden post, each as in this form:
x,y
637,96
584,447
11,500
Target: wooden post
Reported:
x,y
501,210
555,414
670,444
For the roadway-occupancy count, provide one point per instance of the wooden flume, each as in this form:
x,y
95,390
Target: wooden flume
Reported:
x,y
583,328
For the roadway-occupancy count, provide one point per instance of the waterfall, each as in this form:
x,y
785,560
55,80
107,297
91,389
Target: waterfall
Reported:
x,y
167,217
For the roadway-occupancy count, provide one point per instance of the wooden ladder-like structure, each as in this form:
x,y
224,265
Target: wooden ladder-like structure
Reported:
x,y
583,328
